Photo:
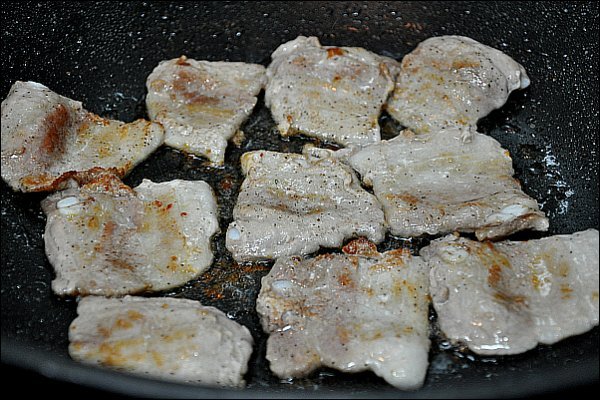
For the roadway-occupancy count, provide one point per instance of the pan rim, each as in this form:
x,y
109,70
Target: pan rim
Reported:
x,y
15,353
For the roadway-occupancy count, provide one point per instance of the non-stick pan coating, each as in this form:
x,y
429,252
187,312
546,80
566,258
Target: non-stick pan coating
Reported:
x,y
101,54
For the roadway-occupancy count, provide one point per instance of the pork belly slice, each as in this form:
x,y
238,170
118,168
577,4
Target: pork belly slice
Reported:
x,y
46,138
352,312
435,183
202,104
331,93
450,82
165,338
104,238
505,298
293,204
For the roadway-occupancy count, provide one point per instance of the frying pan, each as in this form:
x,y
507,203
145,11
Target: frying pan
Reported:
x,y
101,53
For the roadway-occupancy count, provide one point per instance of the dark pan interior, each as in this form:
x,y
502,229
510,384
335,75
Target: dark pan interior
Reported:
x,y
101,53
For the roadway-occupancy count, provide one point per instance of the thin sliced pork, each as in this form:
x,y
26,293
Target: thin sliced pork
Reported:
x,y
506,297
172,339
47,138
104,238
434,183
354,312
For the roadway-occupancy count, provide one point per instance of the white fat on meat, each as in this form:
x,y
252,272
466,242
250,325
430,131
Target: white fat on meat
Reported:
x,y
353,312
506,297
450,82
435,183
172,339
46,138
104,238
202,104
331,93
293,204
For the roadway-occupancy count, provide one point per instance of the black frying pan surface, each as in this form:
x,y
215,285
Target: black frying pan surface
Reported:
x,y
101,53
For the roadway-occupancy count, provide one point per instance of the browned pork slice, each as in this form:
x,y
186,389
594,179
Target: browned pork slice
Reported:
x,y
202,104
293,204
450,82
506,297
331,93
352,312
165,338
46,138
434,183
105,238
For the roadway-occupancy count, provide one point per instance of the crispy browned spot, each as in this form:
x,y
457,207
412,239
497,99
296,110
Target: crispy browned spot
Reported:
x,y
397,255
195,98
377,335
93,222
106,180
494,274
107,231
158,360
181,84
98,120
360,246
509,299
38,183
299,60
437,64
566,291
407,63
134,315
118,263
55,125
406,198
384,70
104,332
458,64
173,265
399,286
182,61
334,51
123,324
345,280
324,257
493,259
111,354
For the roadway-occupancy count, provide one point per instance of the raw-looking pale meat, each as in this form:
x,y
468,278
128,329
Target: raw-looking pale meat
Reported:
x,y
435,183
46,138
505,298
202,104
331,93
293,204
104,238
450,82
354,312
172,339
